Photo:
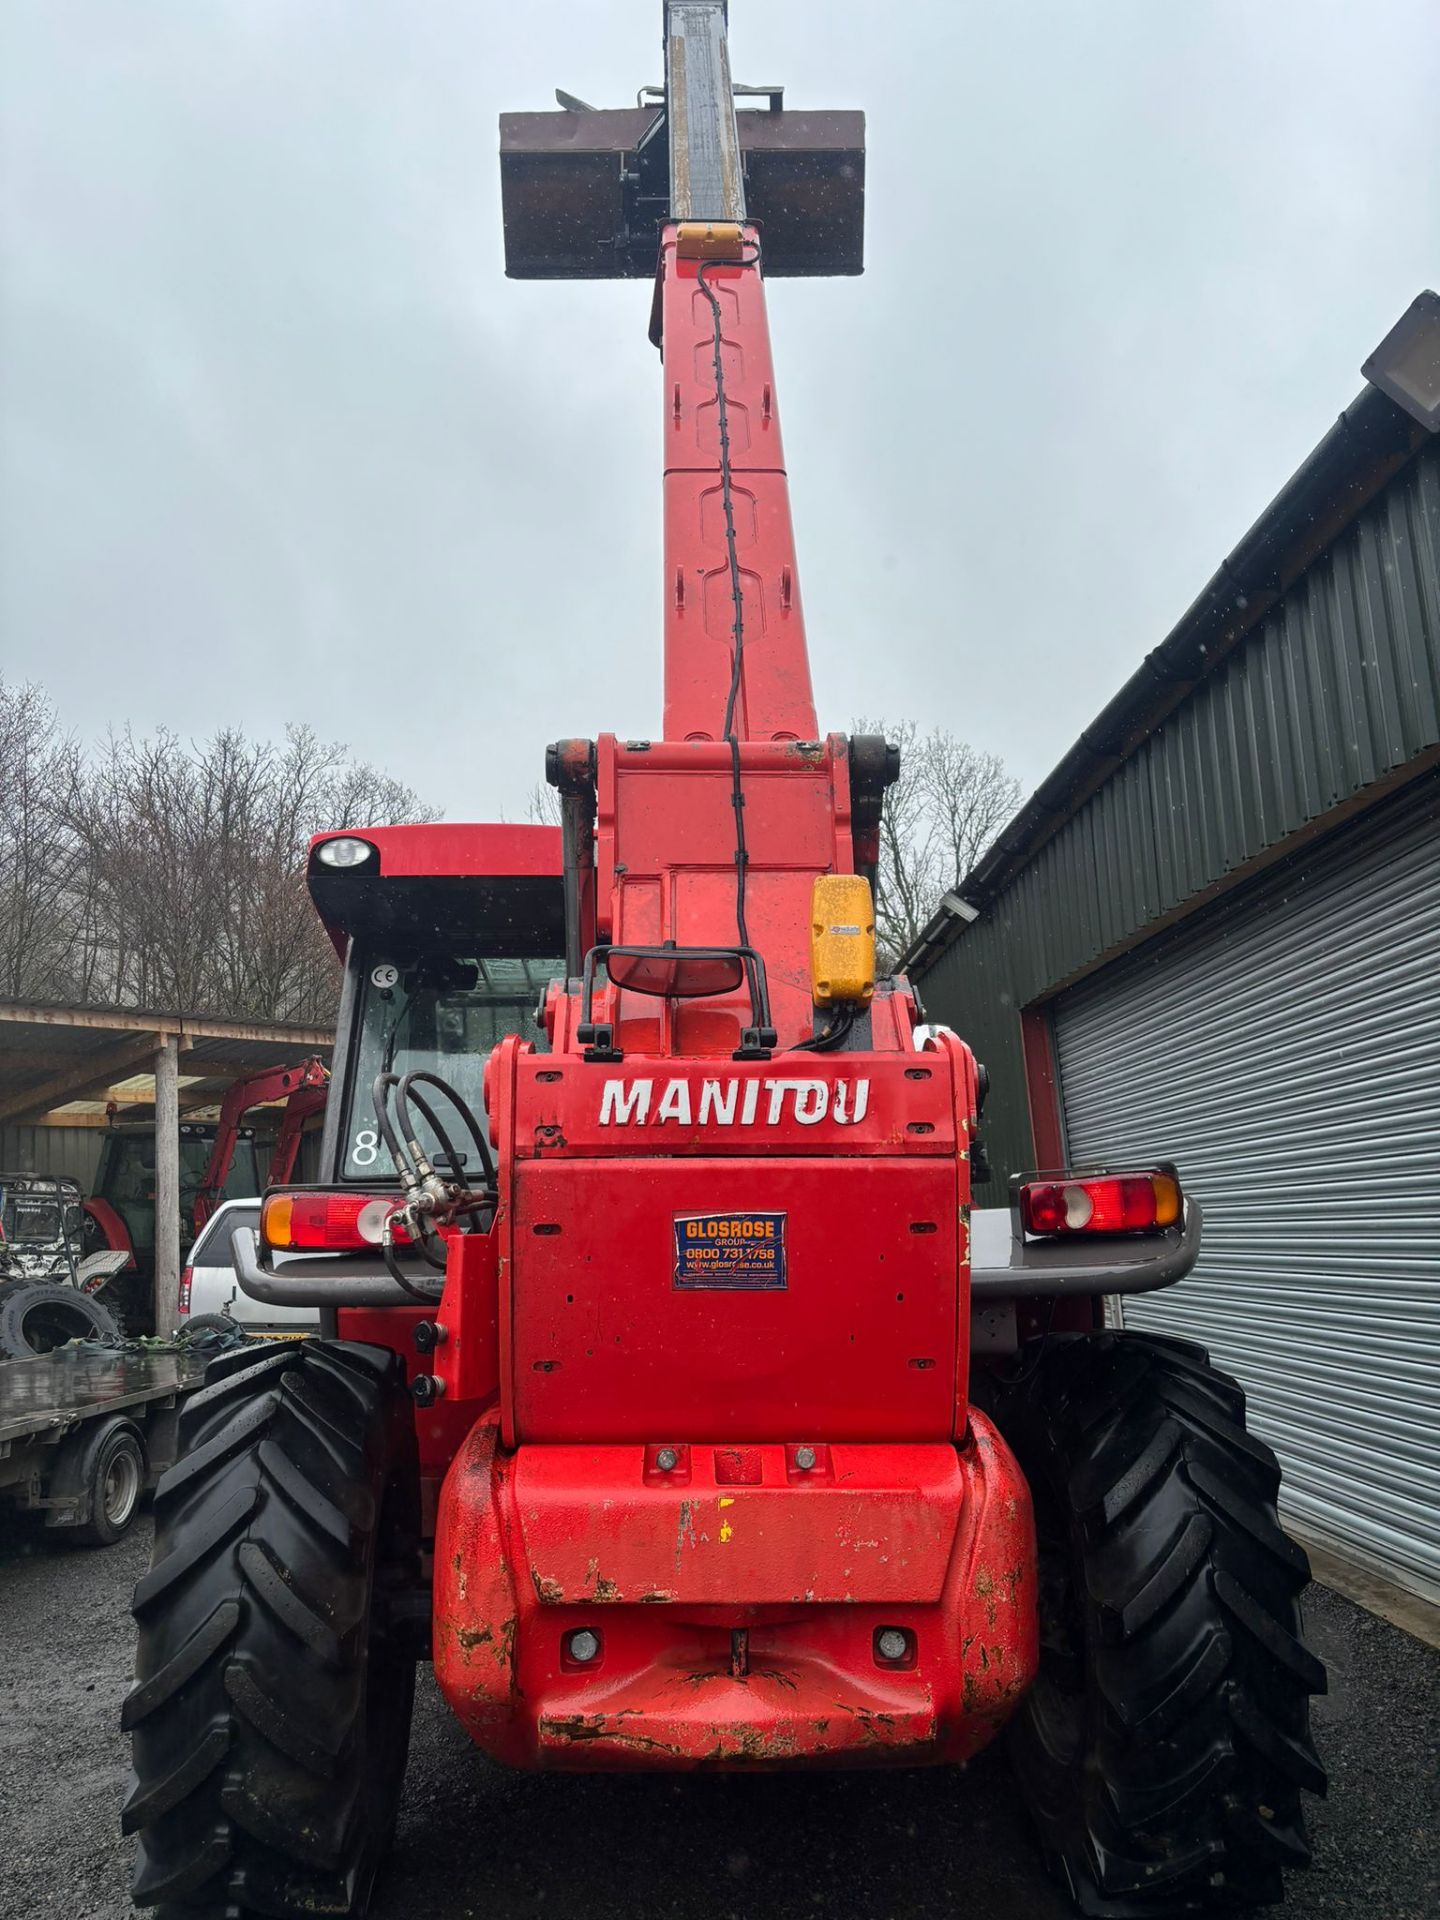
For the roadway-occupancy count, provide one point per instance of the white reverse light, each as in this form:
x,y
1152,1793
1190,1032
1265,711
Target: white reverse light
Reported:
x,y
1078,1208
370,1221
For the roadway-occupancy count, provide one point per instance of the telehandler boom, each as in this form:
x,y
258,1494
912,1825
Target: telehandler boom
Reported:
x,y
673,1398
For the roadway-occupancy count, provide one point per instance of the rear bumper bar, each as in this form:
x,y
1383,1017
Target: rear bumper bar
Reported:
x,y
1005,1266
329,1280
737,1623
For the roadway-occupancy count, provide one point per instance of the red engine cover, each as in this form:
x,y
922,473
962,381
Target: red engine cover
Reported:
x,y
858,1345
613,1329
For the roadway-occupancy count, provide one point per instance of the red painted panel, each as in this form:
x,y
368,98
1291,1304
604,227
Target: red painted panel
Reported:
x,y
439,1429
1042,1087
459,848
467,1360
864,1524
666,865
860,1344
797,1103
663,1691
684,819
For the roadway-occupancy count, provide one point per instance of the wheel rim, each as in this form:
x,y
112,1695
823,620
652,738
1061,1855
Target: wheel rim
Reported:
x,y
50,1324
122,1487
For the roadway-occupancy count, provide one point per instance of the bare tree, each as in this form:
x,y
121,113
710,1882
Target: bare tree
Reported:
x,y
947,806
542,805
161,873
196,857
39,936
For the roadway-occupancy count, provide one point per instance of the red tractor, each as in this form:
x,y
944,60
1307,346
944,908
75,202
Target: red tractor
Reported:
x,y
671,1397
217,1162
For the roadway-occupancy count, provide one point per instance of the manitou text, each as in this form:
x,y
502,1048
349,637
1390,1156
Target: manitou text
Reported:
x,y
732,1102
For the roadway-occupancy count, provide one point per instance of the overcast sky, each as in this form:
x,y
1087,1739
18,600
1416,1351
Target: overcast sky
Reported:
x,y
279,441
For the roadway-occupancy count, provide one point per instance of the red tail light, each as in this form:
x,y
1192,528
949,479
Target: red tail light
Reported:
x,y
1101,1203
186,1278
328,1222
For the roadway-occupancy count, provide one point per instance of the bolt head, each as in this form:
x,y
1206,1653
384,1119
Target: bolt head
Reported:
x,y
805,1458
584,1645
891,1643
667,1459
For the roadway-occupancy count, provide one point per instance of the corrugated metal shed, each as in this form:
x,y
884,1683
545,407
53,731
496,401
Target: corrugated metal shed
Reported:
x,y
1329,699
73,1151
1285,1052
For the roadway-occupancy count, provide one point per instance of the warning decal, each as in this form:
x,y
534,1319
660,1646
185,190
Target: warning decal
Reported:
x,y
741,1250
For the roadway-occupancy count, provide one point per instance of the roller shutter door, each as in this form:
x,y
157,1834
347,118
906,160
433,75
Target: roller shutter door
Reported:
x,y
1285,1052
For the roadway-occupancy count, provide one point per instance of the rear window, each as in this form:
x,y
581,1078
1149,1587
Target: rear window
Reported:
x,y
442,1011
213,1248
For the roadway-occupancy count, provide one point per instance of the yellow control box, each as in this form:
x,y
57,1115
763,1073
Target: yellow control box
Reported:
x,y
842,940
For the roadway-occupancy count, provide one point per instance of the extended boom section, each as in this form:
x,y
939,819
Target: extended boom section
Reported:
x,y
709,304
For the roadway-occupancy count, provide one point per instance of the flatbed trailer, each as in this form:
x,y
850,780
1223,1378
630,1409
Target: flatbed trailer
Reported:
x,y
84,1432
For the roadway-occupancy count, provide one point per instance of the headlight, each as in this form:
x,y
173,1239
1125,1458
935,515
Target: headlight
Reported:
x,y
344,852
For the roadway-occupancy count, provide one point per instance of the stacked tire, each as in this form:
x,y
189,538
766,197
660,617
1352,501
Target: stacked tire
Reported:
x,y
39,1316
1165,1745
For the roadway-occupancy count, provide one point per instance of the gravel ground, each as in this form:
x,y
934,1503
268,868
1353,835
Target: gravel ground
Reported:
x,y
479,1844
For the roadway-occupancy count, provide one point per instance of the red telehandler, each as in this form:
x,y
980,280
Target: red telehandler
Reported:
x,y
672,1398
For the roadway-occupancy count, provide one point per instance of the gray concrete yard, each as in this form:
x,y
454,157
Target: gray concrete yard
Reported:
x,y
479,1844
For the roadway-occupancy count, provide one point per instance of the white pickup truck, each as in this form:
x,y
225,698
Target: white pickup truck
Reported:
x,y
209,1288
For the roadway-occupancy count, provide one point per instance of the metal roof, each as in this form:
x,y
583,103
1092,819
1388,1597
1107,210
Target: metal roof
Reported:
x,y
71,1061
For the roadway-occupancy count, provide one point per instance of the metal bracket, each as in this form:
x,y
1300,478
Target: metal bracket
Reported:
x,y
1006,1266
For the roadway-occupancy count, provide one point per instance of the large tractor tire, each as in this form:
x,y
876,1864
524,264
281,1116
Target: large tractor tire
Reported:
x,y
37,1316
271,1711
1165,1743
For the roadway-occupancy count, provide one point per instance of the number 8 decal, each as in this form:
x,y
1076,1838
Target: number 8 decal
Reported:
x,y
366,1150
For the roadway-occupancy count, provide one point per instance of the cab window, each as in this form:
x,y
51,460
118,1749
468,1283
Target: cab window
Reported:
x,y
439,1011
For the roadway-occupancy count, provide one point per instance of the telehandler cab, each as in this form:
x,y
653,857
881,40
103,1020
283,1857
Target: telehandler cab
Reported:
x,y
673,1399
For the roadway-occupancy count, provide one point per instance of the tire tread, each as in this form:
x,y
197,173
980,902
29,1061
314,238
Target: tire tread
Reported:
x,y
1184,1797
255,1790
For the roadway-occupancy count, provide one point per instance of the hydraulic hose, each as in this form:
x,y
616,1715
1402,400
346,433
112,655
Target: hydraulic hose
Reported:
x,y
472,1126
737,595
380,1099
833,1036
445,1148
401,1137
427,1296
